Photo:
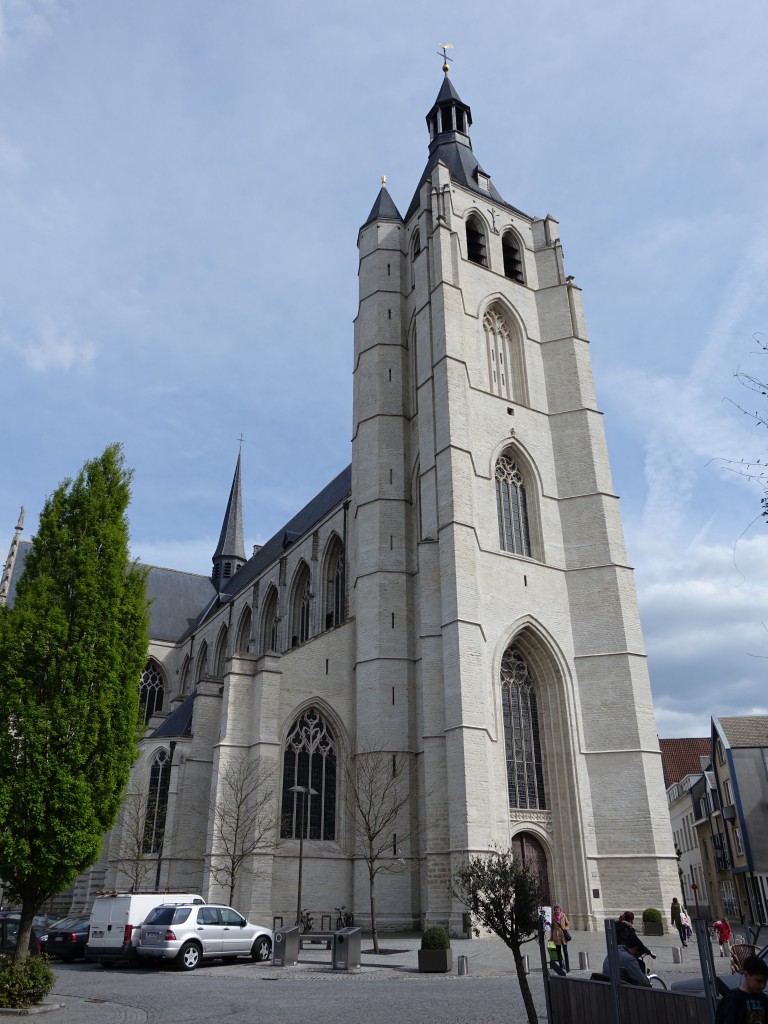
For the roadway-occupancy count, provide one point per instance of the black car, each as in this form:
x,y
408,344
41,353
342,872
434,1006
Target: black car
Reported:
x,y
724,983
9,933
67,938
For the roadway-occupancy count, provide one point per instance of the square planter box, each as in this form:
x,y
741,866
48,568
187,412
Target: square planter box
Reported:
x,y
651,928
435,961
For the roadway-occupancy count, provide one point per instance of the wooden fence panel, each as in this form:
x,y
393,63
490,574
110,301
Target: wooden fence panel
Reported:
x,y
578,1001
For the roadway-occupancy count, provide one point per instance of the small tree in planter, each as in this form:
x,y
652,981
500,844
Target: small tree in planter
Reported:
x,y
435,955
652,924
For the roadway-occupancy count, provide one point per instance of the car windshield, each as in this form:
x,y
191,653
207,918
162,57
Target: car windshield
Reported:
x,y
64,924
168,915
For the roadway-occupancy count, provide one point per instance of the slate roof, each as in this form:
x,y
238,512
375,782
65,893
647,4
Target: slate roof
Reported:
x,y
745,731
383,209
231,539
179,722
681,757
177,601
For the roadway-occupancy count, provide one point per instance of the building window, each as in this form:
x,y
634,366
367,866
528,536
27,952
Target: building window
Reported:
x,y
525,775
737,844
513,264
415,245
302,604
720,752
476,250
269,623
309,760
244,632
728,791
157,802
202,660
512,507
334,585
151,690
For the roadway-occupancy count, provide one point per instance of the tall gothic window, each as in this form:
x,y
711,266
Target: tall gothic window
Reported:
x,y
220,658
525,776
309,760
512,507
301,606
269,623
334,584
244,632
157,802
151,690
202,660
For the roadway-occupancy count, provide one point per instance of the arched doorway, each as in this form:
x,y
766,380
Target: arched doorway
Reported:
x,y
529,850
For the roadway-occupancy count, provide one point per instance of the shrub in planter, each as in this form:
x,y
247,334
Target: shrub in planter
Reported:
x,y
435,955
25,984
652,922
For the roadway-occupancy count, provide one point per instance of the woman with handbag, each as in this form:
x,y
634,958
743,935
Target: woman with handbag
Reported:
x,y
560,935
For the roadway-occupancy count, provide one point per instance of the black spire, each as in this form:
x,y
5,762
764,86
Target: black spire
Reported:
x,y
230,552
383,209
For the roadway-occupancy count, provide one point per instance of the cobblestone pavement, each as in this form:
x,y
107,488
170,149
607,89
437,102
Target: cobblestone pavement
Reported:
x,y
387,988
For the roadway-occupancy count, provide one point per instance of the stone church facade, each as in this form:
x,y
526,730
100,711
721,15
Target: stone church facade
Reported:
x,y
459,596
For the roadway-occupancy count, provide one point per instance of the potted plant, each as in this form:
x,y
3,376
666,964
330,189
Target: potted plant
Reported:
x,y
435,955
652,924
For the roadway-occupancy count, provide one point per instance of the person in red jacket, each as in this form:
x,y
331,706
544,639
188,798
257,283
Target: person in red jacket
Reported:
x,y
723,930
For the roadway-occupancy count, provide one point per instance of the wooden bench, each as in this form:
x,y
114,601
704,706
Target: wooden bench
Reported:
x,y
325,937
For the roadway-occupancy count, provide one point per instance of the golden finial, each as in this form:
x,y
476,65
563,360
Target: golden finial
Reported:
x,y
445,47
383,180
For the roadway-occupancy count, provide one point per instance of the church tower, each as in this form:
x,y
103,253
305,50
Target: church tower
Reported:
x,y
229,555
498,640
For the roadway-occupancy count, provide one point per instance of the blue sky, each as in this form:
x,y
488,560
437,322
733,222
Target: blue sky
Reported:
x,y
181,186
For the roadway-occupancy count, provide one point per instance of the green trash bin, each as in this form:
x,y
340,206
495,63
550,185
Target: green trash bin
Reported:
x,y
552,953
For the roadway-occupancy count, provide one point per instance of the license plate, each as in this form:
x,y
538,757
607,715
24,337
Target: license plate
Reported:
x,y
151,935
58,938
97,933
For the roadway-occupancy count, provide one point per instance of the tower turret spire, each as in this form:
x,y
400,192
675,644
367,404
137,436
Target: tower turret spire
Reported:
x,y
230,552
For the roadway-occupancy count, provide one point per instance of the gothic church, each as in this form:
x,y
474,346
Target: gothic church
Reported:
x,y
459,596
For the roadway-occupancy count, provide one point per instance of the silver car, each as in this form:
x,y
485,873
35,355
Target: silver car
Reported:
x,y
188,933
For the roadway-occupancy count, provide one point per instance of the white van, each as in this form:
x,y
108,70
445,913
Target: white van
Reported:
x,y
116,917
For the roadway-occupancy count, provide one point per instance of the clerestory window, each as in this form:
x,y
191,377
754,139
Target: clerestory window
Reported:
x,y
157,802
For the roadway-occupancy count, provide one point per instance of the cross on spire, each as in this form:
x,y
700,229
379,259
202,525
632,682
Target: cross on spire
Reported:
x,y
240,441
443,52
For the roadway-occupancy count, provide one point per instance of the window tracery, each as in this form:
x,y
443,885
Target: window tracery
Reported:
x,y
525,774
512,507
310,761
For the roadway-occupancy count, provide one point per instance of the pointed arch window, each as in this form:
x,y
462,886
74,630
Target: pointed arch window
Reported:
x,y
301,607
476,247
151,690
269,623
310,761
512,507
157,802
220,660
525,774
511,251
202,660
334,585
244,632
184,685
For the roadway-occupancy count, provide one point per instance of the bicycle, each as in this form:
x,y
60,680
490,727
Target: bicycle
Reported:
x,y
306,923
655,980
344,918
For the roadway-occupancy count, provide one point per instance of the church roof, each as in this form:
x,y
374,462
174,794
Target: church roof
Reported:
x,y
454,149
177,600
383,209
179,722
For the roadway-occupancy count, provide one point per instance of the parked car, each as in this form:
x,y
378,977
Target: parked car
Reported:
x,y
116,918
724,983
66,939
9,933
188,934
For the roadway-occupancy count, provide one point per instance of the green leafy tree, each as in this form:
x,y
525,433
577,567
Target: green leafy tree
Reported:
x,y
504,896
71,653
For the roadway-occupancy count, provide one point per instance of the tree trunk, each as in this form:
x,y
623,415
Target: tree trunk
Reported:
x,y
28,910
525,989
374,935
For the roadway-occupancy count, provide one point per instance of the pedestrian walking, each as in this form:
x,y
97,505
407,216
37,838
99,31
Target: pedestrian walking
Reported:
x,y
723,930
677,920
560,935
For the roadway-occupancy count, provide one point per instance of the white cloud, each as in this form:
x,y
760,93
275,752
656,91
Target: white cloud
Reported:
x,y
24,21
52,349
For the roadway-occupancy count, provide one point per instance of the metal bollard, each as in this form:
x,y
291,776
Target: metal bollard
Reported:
x,y
677,955
583,961
463,963
526,964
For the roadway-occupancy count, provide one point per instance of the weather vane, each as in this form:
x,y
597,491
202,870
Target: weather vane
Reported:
x,y
443,52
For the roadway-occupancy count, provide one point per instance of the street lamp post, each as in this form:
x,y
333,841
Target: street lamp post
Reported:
x,y
304,791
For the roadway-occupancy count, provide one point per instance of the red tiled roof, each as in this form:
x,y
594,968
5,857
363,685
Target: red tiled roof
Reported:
x,y
681,757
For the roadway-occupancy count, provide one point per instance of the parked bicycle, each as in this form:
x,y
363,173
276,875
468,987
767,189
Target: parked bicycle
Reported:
x,y
344,918
306,923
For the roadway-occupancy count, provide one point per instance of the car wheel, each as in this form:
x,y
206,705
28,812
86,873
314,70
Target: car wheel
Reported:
x,y
188,957
261,949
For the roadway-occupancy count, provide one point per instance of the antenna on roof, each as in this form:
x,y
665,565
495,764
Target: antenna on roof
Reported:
x,y
444,47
